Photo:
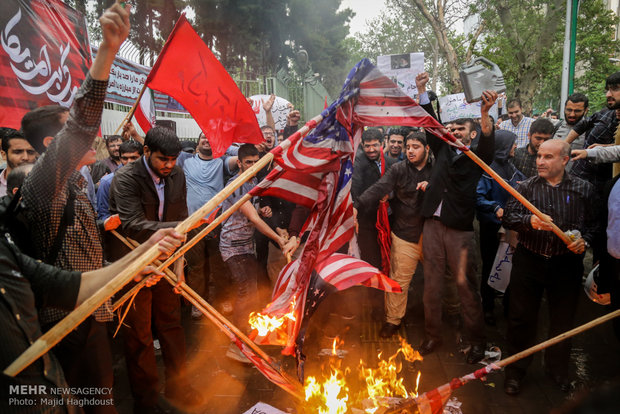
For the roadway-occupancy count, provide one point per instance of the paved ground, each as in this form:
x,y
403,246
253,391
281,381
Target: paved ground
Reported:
x,y
230,387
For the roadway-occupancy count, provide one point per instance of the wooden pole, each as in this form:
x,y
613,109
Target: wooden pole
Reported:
x,y
410,403
45,342
558,232
557,339
218,319
132,110
183,249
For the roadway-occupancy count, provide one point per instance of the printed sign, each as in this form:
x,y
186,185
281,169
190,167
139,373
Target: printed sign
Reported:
x,y
262,408
279,110
455,106
402,69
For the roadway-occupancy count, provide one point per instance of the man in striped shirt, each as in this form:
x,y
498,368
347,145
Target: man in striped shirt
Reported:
x,y
517,124
542,262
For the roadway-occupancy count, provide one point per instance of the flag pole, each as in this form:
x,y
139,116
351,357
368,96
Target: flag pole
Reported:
x,y
45,342
457,382
558,232
184,248
129,115
217,318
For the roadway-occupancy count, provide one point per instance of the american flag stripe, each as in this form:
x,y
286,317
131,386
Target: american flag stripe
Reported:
x,y
293,186
343,271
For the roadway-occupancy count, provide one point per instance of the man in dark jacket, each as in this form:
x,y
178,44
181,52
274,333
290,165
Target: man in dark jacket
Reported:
x,y
448,230
369,166
150,194
408,181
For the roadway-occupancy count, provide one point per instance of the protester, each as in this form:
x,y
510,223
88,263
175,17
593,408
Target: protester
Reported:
x,y
542,263
110,164
205,177
575,108
17,151
149,194
525,157
369,166
237,247
53,190
407,180
16,178
25,282
129,151
395,141
517,123
490,202
448,233
599,129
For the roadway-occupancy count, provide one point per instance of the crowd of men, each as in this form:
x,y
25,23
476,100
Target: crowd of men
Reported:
x,y
70,204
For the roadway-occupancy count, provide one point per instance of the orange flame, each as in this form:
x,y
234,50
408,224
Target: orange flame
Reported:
x,y
265,324
332,395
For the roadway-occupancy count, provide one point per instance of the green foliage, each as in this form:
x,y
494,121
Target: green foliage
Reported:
x,y
595,45
320,28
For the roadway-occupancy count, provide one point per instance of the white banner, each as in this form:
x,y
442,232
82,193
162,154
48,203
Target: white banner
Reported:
x,y
279,110
402,69
500,272
125,82
455,106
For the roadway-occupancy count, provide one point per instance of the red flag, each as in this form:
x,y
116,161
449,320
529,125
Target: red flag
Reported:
x,y
189,72
44,56
326,105
383,228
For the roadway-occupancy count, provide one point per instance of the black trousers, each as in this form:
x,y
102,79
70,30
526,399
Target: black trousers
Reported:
x,y
155,310
86,361
489,242
532,276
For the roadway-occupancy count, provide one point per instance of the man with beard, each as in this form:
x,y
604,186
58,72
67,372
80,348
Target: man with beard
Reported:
x,y
149,194
575,109
367,170
599,129
525,157
110,164
17,151
448,233
408,181
205,177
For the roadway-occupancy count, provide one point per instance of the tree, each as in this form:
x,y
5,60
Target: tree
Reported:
x,y
320,28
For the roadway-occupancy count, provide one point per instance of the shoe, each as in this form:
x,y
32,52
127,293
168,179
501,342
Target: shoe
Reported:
x,y
428,346
196,314
489,318
388,330
475,354
512,386
234,353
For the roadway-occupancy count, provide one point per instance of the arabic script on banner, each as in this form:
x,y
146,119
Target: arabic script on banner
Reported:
x,y
35,73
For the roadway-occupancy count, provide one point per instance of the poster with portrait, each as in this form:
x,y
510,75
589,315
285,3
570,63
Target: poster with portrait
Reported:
x,y
402,69
44,56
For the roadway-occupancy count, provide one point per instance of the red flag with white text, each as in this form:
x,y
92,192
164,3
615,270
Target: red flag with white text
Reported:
x,y
44,56
189,72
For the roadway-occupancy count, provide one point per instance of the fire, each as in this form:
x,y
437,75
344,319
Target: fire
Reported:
x,y
331,396
265,324
378,384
